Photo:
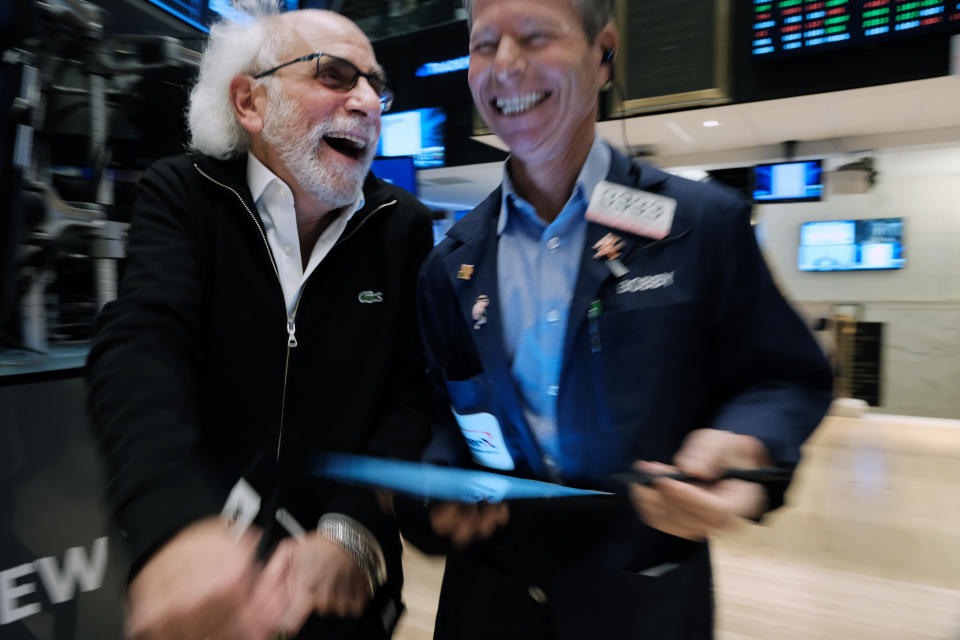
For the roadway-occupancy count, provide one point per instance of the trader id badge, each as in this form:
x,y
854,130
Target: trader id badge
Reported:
x,y
638,212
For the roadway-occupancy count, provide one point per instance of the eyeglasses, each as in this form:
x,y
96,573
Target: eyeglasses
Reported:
x,y
340,74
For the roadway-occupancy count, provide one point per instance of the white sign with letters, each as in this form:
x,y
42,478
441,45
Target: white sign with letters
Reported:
x,y
79,571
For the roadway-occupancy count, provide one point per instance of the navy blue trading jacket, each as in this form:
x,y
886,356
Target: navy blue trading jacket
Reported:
x,y
695,335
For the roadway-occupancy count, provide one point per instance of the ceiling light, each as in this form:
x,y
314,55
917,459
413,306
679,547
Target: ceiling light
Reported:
x,y
711,123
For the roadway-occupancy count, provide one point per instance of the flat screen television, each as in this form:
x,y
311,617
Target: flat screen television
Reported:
x,y
418,133
788,182
851,245
399,171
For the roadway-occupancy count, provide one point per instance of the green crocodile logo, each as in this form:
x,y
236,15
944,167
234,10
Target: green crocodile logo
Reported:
x,y
369,297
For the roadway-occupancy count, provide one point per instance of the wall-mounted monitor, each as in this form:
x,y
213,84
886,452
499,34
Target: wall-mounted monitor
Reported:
x,y
418,133
399,171
851,245
788,182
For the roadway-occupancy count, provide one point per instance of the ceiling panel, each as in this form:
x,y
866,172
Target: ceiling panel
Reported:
x,y
918,106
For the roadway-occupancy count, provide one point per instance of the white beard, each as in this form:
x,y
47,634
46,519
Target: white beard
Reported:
x,y
315,169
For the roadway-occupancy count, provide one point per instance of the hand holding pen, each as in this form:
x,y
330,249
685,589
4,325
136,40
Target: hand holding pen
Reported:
x,y
762,475
198,585
732,468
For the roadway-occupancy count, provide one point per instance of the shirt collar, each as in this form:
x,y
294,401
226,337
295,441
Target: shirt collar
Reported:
x,y
259,177
595,168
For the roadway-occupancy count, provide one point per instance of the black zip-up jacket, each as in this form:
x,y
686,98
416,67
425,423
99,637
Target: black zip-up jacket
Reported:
x,y
193,379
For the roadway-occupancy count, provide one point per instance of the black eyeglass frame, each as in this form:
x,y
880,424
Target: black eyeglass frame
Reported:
x,y
385,94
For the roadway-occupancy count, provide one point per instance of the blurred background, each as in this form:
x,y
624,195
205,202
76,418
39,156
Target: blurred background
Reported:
x,y
837,119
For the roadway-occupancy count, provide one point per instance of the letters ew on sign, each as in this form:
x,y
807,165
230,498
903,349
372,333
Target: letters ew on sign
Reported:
x,y
18,585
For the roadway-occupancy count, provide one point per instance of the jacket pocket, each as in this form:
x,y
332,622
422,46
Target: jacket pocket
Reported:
x,y
667,602
649,333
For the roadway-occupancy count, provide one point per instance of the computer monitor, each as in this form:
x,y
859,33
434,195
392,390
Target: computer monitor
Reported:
x,y
418,133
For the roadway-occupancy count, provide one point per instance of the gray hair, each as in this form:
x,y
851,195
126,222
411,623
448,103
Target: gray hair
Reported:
x,y
231,49
594,13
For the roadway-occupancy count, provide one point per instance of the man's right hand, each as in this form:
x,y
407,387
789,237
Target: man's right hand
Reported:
x,y
198,586
467,523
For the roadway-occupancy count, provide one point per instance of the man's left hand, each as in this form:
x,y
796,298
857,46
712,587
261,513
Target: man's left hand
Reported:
x,y
693,510
312,574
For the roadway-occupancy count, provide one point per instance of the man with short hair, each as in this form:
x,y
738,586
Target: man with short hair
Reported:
x,y
266,314
629,321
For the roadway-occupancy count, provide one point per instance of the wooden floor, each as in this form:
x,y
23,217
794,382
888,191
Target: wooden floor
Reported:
x,y
868,546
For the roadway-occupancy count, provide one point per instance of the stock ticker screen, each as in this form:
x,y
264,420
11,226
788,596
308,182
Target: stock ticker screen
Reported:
x,y
782,27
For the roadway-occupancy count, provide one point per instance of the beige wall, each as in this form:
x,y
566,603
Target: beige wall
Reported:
x,y
920,304
921,186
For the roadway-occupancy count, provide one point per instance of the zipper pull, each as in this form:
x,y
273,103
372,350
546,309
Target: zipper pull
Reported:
x,y
291,333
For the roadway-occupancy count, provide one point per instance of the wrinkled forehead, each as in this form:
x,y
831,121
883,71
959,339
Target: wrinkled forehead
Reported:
x,y
309,31
559,10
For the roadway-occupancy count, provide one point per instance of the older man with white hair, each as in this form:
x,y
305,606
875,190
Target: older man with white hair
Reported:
x,y
266,313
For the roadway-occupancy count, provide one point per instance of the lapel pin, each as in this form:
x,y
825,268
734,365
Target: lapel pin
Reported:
x,y
466,272
609,247
480,311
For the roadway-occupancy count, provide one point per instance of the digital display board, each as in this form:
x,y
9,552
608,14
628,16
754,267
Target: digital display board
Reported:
x,y
782,27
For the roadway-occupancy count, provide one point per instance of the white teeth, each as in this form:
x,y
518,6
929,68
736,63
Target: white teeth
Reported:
x,y
519,104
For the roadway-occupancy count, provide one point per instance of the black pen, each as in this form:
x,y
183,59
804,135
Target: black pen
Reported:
x,y
763,475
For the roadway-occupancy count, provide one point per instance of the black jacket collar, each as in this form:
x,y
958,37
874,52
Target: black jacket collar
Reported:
x,y
232,173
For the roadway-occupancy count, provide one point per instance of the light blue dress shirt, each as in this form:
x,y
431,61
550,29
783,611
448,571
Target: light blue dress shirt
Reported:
x,y
537,266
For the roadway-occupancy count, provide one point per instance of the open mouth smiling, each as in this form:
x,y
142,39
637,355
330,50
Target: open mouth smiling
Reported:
x,y
351,146
517,105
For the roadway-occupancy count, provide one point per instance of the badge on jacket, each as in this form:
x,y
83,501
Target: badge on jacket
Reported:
x,y
632,210
241,508
609,247
484,438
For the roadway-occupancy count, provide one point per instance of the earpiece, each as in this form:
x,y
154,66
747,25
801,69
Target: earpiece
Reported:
x,y
608,56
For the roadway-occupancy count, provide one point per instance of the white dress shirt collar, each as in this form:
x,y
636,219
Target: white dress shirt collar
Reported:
x,y
274,201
